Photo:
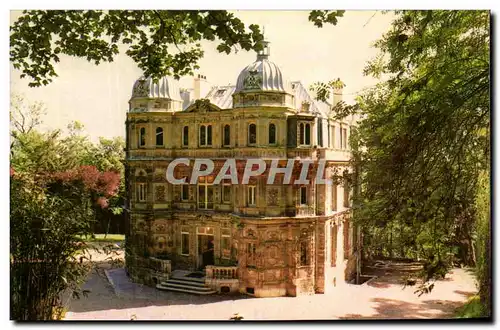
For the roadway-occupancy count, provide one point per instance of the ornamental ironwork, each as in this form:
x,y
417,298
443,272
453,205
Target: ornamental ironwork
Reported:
x,y
253,80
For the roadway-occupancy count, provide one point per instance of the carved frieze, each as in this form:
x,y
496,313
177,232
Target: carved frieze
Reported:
x,y
272,196
160,193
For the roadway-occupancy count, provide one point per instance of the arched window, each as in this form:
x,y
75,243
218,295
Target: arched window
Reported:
x,y
159,136
203,135
272,134
227,135
185,136
301,134
209,135
252,134
142,137
308,134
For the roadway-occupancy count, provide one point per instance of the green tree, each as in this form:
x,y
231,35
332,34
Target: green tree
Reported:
x,y
161,42
54,199
424,137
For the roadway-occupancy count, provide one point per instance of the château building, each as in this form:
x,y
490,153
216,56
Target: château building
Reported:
x,y
257,238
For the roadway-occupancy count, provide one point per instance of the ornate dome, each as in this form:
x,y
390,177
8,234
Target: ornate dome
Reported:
x,y
166,88
262,75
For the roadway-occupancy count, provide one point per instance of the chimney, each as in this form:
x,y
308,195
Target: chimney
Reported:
x,y
201,87
336,95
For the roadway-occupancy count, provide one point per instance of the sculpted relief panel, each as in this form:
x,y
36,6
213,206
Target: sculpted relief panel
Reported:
x,y
272,196
160,193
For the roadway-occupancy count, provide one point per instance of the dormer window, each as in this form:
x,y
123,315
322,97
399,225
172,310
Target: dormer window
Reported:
x,y
220,92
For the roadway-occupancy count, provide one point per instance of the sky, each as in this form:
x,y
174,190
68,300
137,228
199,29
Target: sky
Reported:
x,y
97,96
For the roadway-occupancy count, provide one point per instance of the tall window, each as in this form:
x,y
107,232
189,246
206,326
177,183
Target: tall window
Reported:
x,y
304,255
205,135
251,254
209,135
333,248
344,138
226,192
303,196
251,195
347,243
252,134
304,134
227,135
301,134
185,136
329,137
185,192
206,193
159,136
341,144
334,197
142,137
308,134
184,242
225,245
272,134
141,192
346,195
333,137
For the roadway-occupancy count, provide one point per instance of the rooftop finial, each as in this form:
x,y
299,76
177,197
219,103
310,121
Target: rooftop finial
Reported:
x,y
265,52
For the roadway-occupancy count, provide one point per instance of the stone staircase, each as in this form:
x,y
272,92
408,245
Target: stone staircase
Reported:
x,y
180,282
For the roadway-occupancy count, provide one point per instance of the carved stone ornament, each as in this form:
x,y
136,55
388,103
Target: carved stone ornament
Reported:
x,y
204,218
202,105
141,89
253,80
305,106
272,197
160,193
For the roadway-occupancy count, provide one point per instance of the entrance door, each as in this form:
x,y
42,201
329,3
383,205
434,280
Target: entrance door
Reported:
x,y
205,250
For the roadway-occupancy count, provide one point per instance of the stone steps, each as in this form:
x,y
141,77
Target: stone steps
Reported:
x,y
186,285
184,282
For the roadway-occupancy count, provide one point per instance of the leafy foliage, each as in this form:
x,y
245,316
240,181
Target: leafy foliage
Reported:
x,y
425,131
483,250
54,199
424,139
472,309
320,17
161,42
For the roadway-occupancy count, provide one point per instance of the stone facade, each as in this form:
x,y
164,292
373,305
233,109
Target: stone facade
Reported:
x,y
259,239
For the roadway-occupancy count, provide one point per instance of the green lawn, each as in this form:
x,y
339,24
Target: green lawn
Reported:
x,y
471,309
109,238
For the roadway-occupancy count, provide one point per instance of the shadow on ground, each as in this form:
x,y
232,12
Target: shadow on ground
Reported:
x,y
102,296
398,309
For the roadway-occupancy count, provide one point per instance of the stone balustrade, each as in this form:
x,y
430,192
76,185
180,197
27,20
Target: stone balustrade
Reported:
x,y
160,265
221,272
301,153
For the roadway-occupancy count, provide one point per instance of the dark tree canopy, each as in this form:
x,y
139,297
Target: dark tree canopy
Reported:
x,y
161,42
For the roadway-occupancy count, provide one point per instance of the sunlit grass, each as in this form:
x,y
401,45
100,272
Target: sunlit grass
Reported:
x,y
471,309
105,238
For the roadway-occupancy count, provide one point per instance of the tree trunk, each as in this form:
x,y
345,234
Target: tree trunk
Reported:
x,y
485,283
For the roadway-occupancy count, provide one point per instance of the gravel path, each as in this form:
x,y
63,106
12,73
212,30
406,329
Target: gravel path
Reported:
x,y
382,298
